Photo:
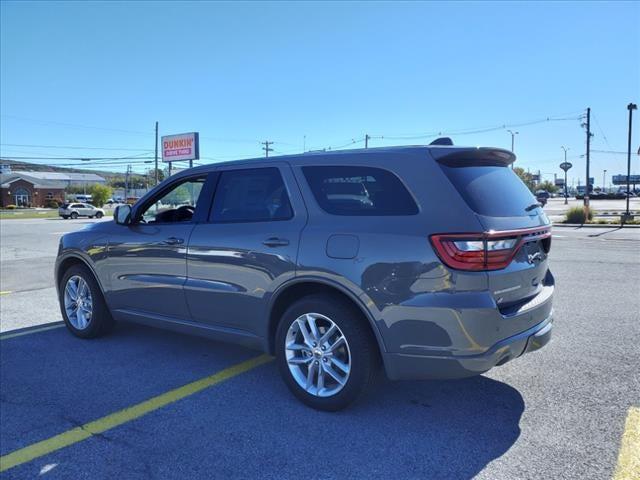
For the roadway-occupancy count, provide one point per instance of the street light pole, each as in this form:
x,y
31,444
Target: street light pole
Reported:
x,y
604,176
565,176
631,107
513,135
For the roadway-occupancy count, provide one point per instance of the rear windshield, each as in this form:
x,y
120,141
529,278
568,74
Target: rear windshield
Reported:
x,y
359,191
494,191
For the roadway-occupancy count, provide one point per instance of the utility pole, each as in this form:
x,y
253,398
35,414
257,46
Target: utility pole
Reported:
x,y
266,148
366,141
126,183
156,164
604,177
586,187
631,107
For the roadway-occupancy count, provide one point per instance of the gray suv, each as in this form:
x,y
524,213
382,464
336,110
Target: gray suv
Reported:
x,y
430,261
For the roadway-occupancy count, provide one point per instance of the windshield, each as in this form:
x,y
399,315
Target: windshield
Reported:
x,y
494,191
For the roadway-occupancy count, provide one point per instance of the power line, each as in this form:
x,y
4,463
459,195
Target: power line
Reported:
x,y
74,125
73,147
83,159
476,130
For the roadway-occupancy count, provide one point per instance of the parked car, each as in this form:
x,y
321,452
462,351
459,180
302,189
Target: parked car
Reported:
x,y
75,210
543,197
440,272
83,197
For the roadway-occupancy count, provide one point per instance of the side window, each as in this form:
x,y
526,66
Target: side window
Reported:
x,y
178,204
251,195
76,205
359,191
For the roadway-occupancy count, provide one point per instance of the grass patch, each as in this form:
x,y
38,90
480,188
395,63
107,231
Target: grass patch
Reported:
x,y
579,215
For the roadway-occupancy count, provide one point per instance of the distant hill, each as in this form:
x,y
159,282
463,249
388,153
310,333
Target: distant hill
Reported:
x,y
38,167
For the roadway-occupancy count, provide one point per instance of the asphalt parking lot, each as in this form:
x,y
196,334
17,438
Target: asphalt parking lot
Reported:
x,y
79,409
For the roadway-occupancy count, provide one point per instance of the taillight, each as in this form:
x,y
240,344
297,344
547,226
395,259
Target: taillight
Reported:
x,y
484,251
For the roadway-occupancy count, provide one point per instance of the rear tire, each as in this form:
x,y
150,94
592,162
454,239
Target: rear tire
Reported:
x,y
74,215
84,325
358,352
65,217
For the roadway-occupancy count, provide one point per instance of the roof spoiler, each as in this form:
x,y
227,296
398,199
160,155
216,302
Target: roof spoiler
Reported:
x,y
474,157
442,141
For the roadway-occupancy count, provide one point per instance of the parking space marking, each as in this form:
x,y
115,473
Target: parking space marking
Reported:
x,y
5,292
29,331
125,415
628,467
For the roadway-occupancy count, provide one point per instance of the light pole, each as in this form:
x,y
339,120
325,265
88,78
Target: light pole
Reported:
x,y
566,195
604,176
513,136
631,107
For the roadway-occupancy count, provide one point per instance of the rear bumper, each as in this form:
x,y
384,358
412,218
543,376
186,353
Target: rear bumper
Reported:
x,y
400,366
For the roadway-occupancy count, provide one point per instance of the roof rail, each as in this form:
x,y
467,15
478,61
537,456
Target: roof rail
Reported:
x,y
442,141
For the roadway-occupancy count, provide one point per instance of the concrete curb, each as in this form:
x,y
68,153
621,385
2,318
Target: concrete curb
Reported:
x,y
594,225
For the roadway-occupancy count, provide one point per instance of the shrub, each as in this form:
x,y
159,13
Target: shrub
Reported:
x,y
578,215
51,204
10,207
99,194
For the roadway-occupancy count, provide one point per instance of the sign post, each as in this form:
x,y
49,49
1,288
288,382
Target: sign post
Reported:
x,y
181,147
565,166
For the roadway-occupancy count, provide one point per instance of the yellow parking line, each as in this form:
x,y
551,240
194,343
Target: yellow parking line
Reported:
x,y
629,457
125,415
7,336
5,292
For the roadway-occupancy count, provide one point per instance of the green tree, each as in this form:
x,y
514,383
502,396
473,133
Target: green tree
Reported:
x,y
99,194
526,177
151,175
548,186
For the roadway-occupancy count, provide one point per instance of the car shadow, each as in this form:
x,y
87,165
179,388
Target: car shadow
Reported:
x,y
249,426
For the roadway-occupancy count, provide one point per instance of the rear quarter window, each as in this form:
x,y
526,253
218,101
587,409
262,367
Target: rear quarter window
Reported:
x,y
359,191
490,190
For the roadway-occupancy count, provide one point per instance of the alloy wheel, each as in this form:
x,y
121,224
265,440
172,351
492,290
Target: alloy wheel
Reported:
x,y
78,302
318,355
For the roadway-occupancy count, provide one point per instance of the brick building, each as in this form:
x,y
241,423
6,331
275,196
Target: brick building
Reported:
x,y
24,190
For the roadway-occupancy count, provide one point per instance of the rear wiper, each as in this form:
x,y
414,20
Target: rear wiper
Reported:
x,y
532,206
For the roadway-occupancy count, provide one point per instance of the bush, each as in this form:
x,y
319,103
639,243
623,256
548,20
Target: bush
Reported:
x,y
10,207
99,194
578,215
51,204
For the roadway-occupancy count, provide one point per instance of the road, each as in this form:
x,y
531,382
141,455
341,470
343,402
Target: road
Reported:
x,y
557,413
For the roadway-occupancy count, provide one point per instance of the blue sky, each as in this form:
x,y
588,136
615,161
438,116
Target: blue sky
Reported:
x,y
240,73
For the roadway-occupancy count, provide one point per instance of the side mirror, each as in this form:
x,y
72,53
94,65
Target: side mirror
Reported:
x,y
122,214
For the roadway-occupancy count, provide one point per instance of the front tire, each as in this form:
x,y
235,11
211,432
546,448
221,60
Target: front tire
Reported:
x,y
99,215
82,304
326,352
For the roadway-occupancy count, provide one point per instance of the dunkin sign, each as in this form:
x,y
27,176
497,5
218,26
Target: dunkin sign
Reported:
x,y
184,146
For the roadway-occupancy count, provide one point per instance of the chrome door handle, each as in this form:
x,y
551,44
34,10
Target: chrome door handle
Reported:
x,y
174,241
276,242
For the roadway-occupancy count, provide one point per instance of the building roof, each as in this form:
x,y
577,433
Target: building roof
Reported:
x,y
64,176
8,179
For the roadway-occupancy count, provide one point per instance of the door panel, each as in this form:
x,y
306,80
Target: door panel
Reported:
x,y
147,265
148,259
234,266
